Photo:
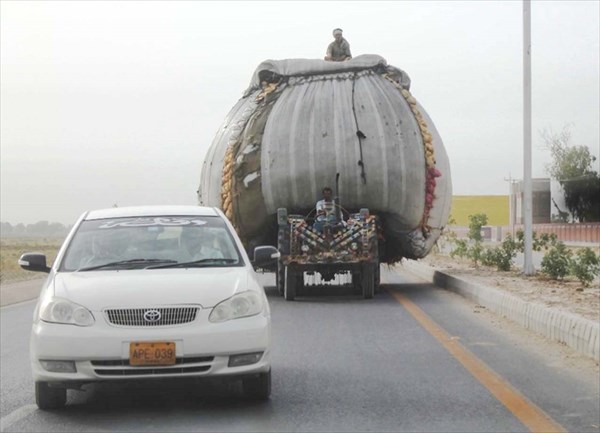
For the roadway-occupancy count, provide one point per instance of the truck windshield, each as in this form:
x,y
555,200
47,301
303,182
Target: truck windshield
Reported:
x,y
150,242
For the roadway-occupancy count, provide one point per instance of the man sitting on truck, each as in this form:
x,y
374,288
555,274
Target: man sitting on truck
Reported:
x,y
326,212
339,49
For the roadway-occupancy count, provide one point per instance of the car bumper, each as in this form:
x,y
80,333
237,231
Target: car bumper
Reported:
x,y
101,352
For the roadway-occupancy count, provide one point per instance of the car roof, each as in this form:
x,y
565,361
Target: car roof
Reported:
x,y
144,211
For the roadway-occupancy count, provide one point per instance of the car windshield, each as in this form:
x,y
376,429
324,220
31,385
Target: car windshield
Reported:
x,y
151,243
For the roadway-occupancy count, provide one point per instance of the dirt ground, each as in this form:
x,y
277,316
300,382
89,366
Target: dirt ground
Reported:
x,y
568,295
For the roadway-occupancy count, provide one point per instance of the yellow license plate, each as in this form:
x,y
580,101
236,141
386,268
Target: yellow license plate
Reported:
x,y
152,353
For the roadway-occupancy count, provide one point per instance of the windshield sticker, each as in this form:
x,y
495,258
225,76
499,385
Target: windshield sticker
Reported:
x,y
155,221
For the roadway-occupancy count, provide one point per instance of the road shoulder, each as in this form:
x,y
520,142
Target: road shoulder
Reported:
x,y
577,332
21,291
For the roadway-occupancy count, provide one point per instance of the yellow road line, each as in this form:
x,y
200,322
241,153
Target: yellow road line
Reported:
x,y
534,418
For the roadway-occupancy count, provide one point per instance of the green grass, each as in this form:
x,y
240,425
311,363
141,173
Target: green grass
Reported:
x,y
12,248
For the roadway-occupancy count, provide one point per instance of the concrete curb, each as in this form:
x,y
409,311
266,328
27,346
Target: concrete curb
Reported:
x,y
579,333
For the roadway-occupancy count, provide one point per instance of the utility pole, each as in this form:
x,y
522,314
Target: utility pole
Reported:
x,y
512,208
527,182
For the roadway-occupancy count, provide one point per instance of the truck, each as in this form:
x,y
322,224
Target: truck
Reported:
x,y
303,124
348,246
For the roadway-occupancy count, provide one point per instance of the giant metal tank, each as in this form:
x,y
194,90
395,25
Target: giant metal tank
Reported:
x,y
302,123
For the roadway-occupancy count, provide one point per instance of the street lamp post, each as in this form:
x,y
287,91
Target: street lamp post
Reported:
x,y
528,268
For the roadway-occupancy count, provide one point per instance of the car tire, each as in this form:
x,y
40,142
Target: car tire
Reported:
x,y
48,398
289,290
368,281
257,387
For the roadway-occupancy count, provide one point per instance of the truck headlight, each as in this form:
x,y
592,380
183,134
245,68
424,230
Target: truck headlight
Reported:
x,y
241,305
59,310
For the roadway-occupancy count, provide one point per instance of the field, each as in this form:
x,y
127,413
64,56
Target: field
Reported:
x,y
12,248
494,206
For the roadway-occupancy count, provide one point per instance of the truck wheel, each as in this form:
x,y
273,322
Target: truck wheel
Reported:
x,y
377,277
283,245
280,277
289,290
357,282
257,387
48,398
368,281
299,282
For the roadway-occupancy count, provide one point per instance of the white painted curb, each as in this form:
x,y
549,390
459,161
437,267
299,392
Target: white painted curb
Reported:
x,y
579,333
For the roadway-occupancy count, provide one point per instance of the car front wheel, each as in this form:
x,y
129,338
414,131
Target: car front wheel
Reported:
x,y
48,398
257,387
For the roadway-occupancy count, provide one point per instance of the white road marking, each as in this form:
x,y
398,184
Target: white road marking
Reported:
x,y
16,416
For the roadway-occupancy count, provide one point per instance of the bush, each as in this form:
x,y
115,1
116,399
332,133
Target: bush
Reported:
x,y
490,256
475,223
557,261
545,241
461,248
502,256
585,266
476,252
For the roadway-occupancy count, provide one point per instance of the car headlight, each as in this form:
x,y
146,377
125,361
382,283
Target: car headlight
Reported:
x,y
241,305
63,311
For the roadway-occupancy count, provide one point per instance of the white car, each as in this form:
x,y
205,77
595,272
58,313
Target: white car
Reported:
x,y
150,292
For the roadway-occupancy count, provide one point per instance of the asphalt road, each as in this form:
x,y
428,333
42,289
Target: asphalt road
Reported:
x,y
415,358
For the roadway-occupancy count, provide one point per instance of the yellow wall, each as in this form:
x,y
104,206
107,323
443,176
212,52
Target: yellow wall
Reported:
x,y
496,208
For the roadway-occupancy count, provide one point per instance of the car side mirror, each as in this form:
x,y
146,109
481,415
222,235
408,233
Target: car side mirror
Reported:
x,y
35,262
264,255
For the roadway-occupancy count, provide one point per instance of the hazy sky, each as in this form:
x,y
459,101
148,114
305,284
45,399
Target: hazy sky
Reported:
x,y
106,102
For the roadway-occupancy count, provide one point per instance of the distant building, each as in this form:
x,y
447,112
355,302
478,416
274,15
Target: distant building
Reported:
x,y
541,202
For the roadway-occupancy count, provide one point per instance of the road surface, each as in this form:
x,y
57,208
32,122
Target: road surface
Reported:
x,y
415,358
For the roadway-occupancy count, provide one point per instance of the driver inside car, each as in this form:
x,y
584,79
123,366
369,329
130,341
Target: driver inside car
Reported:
x,y
199,244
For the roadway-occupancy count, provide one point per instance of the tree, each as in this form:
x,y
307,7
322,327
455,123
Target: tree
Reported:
x,y
6,229
572,167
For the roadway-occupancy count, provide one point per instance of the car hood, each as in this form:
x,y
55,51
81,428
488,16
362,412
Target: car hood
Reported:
x,y
97,290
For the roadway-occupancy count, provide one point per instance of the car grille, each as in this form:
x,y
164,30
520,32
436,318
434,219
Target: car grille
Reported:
x,y
121,367
139,316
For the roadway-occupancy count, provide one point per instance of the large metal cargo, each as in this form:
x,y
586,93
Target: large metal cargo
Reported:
x,y
301,123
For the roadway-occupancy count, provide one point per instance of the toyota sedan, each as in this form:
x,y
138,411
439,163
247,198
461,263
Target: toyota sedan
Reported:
x,y
150,292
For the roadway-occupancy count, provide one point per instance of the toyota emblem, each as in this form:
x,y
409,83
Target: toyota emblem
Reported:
x,y
152,316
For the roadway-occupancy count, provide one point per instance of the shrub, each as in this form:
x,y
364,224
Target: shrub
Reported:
x,y
545,241
475,223
585,266
489,257
502,256
461,248
476,252
557,261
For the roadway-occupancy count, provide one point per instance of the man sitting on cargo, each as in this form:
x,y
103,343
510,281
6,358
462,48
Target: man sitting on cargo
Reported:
x,y
325,208
339,49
